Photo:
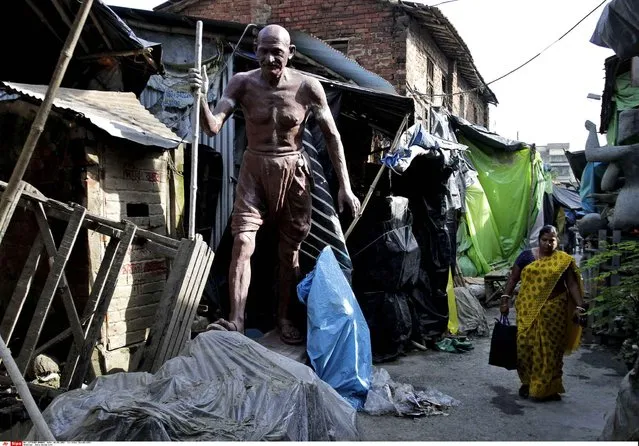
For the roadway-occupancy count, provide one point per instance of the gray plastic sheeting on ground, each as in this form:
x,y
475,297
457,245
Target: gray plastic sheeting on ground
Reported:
x,y
388,397
470,314
226,387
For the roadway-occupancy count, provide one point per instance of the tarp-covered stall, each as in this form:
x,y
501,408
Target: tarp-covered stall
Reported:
x,y
504,199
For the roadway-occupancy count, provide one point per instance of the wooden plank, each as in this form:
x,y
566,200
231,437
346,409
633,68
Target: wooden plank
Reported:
x,y
63,287
90,308
178,308
21,291
176,326
165,306
197,296
63,211
160,249
189,301
94,328
53,341
49,290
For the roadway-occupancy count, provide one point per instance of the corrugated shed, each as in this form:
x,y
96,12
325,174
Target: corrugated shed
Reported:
x,y
119,114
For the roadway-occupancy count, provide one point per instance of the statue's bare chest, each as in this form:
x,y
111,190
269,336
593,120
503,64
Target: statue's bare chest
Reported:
x,y
282,108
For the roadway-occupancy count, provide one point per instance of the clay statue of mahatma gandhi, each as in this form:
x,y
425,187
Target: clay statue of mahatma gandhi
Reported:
x,y
275,175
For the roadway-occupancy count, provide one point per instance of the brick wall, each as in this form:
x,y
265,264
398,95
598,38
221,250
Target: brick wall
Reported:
x,y
131,182
375,29
420,48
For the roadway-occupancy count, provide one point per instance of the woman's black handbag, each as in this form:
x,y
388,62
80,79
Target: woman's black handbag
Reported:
x,y
503,346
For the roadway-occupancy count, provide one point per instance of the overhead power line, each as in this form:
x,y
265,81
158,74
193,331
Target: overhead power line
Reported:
x,y
520,66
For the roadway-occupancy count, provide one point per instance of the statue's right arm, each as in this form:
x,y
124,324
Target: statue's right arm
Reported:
x,y
212,121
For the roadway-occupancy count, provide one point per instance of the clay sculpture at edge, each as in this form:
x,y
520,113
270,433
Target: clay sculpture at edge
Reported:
x,y
622,158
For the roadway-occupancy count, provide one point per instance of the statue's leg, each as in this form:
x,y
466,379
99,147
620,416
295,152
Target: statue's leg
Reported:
x,y
246,219
289,273
294,226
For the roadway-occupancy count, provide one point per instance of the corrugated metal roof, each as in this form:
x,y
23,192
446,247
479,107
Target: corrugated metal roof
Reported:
x,y
328,56
119,114
309,46
451,43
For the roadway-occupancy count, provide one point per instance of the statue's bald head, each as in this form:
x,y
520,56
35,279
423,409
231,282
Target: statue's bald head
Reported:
x,y
274,50
274,32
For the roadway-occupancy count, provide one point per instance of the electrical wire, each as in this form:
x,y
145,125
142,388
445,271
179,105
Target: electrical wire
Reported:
x,y
443,3
514,69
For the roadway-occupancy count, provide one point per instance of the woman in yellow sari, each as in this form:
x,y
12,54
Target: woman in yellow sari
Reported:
x,y
549,306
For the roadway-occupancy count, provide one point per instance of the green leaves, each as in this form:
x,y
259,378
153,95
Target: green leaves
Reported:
x,y
615,309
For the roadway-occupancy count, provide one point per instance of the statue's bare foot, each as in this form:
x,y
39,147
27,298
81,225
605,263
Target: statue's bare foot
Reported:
x,y
289,334
224,325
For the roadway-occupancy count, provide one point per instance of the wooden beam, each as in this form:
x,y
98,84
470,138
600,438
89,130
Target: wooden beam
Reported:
x,y
67,21
97,293
49,290
115,54
94,329
100,30
63,211
21,291
44,20
63,287
159,249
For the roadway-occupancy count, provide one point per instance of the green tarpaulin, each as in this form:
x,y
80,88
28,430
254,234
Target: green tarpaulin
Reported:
x,y
499,214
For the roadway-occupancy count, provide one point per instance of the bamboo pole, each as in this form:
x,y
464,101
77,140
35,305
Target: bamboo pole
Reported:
x,y
371,189
23,390
196,132
12,193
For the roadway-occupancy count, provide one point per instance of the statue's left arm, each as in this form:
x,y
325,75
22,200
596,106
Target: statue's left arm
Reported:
x,y
322,112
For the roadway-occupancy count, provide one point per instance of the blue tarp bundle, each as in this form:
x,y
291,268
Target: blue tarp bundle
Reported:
x,y
338,345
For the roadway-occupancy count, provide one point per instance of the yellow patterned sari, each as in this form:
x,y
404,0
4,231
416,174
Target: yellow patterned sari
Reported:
x,y
545,330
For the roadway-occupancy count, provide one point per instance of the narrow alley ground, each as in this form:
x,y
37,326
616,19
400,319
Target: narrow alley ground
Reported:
x,y
490,407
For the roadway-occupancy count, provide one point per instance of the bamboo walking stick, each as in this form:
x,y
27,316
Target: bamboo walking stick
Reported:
x,y
13,191
196,132
382,169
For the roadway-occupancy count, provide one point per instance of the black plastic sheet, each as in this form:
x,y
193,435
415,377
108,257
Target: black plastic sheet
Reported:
x,y
386,260
618,28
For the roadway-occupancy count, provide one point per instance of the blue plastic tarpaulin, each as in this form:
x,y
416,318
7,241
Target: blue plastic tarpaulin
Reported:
x,y
338,340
